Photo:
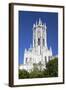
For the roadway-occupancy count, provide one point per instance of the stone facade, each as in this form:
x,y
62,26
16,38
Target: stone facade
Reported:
x,y
38,52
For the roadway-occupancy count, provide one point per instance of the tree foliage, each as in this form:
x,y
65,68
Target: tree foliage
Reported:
x,y
36,73
23,74
51,68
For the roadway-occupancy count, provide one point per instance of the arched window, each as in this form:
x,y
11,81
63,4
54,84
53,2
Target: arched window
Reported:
x,y
38,41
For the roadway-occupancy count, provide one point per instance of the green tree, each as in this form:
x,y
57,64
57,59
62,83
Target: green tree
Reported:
x,y
23,74
35,73
51,68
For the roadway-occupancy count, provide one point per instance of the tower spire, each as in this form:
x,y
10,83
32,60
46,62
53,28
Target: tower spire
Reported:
x,y
40,22
36,23
50,49
33,25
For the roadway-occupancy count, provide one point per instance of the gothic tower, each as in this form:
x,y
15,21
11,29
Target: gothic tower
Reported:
x,y
39,36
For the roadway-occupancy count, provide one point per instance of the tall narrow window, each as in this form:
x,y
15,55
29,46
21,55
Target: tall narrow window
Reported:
x,y
43,42
45,60
26,60
38,41
30,59
34,43
49,58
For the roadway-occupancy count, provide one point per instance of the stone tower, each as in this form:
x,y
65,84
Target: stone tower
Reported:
x,y
39,36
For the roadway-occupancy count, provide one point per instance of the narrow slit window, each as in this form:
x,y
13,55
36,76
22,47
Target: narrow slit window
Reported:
x,y
45,60
34,42
26,60
43,42
38,41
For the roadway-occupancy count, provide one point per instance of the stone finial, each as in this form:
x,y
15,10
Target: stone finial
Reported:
x,y
36,23
30,49
33,25
25,50
40,22
50,49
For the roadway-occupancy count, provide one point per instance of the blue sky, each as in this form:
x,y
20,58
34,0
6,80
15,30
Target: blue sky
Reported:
x,y
26,21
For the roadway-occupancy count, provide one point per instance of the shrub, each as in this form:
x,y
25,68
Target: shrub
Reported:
x,y
23,74
51,68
